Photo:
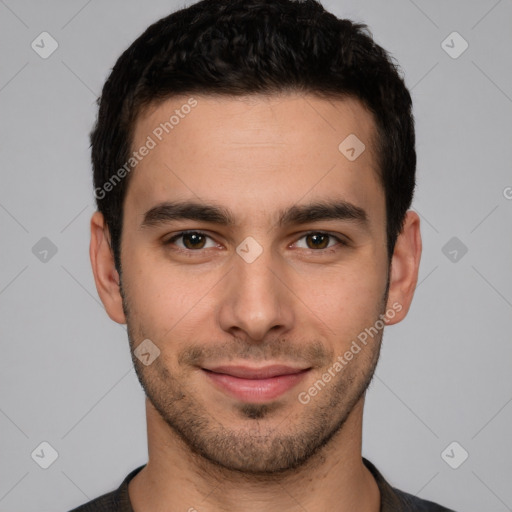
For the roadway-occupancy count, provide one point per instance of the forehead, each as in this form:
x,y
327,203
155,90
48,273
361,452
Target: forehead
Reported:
x,y
256,152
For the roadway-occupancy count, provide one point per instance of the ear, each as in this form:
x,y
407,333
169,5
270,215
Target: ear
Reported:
x,y
404,268
104,270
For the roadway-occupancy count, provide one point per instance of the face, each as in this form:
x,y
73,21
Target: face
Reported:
x,y
254,260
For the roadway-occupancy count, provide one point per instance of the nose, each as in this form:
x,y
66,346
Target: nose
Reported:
x,y
256,302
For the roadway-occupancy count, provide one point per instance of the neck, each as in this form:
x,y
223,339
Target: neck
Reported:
x,y
335,478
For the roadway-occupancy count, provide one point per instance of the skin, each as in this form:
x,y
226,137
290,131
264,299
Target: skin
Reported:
x,y
295,304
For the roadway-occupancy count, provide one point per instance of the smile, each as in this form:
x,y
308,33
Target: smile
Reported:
x,y
255,385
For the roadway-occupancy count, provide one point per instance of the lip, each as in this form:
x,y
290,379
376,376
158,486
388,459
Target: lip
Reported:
x,y
255,385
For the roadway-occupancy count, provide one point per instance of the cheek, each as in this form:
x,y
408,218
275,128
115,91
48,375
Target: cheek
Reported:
x,y
166,301
154,294
345,300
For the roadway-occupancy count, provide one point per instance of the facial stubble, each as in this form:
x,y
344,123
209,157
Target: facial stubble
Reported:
x,y
256,448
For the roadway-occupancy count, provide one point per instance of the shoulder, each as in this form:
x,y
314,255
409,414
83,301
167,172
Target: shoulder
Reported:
x,y
395,500
105,503
115,501
412,503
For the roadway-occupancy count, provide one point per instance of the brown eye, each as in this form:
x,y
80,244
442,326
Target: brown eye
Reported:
x,y
194,240
190,240
317,240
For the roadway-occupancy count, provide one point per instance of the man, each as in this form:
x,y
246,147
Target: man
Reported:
x,y
254,163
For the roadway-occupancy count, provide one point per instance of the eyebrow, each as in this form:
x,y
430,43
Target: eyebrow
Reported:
x,y
297,214
323,210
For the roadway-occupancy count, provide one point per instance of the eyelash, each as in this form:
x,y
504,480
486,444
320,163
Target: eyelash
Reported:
x,y
171,240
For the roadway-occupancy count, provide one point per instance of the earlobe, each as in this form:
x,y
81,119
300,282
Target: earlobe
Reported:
x,y
404,268
105,273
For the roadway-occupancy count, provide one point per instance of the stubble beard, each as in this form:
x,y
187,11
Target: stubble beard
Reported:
x,y
257,448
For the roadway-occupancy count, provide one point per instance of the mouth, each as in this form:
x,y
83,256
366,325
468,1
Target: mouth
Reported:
x,y
255,385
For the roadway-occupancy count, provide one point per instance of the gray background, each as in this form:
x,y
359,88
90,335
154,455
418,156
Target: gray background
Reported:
x,y
66,374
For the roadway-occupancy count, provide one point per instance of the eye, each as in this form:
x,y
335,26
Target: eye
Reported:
x,y
191,240
318,240
196,240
